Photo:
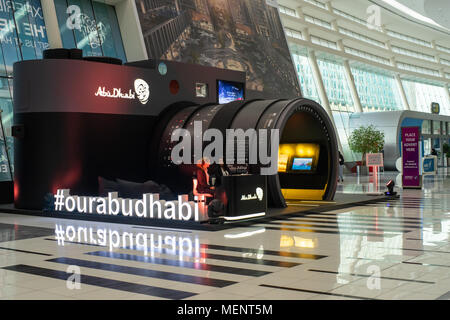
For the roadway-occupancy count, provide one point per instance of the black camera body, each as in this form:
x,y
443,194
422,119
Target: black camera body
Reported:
x,y
78,122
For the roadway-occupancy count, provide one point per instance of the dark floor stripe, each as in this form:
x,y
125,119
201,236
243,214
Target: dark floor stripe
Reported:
x,y
415,203
382,259
402,206
26,251
382,215
206,255
421,250
317,292
103,282
183,264
418,200
14,232
163,229
381,235
370,219
381,219
145,272
427,264
273,263
350,221
419,239
408,203
80,243
445,296
369,275
265,252
339,227
399,204
355,215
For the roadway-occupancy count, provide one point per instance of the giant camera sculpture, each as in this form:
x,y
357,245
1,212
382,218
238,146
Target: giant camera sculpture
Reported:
x,y
79,120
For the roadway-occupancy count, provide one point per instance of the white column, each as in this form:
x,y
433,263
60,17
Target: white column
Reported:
x,y
319,82
446,87
329,6
433,44
350,80
322,92
317,76
352,86
130,28
402,92
334,25
51,24
388,45
300,13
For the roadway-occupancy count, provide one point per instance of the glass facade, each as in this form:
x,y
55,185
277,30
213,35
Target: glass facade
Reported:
x,y
338,93
336,86
436,127
341,101
376,91
23,36
421,95
426,127
91,26
305,76
22,33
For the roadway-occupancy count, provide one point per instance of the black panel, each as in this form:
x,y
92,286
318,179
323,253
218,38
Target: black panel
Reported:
x,y
70,150
6,191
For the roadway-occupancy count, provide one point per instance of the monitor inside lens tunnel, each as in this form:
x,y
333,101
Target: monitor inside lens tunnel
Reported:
x,y
304,164
228,91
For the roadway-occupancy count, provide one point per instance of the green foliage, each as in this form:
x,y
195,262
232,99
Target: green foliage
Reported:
x,y
366,140
446,149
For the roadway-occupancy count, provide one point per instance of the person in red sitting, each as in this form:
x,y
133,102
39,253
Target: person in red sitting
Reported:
x,y
201,174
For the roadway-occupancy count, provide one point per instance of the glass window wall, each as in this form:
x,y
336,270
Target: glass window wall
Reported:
x,y
376,91
306,78
23,36
341,102
421,95
91,26
436,127
426,127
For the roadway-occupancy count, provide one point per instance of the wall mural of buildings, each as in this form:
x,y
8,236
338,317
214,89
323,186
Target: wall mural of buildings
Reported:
x,y
244,35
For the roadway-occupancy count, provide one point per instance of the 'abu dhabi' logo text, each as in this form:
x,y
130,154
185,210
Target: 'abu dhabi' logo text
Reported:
x,y
141,90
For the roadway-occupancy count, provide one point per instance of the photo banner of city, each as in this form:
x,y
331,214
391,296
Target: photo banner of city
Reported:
x,y
243,35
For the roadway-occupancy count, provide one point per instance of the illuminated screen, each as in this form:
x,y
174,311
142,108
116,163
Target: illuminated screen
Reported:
x,y
230,91
302,164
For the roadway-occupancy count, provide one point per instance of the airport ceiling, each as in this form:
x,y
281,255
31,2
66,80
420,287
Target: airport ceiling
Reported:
x,y
435,10
425,19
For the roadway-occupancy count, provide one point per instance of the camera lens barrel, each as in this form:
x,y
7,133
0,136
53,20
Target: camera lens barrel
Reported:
x,y
298,121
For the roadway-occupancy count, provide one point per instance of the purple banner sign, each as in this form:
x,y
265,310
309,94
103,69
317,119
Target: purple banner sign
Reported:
x,y
410,157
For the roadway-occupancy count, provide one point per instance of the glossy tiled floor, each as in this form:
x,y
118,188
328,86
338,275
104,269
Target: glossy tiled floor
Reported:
x,y
390,250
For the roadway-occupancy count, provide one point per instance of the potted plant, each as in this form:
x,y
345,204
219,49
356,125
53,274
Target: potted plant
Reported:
x,y
446,151
366,139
